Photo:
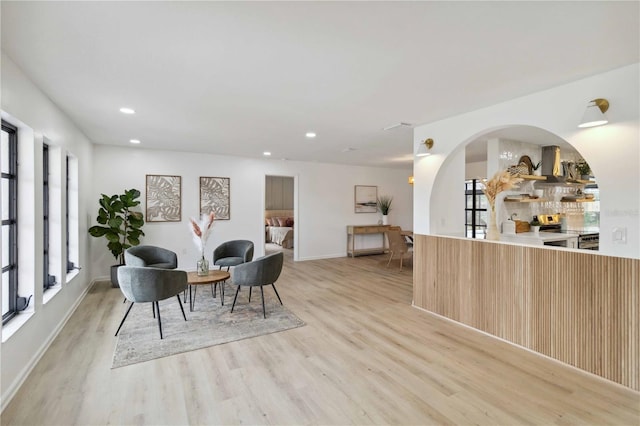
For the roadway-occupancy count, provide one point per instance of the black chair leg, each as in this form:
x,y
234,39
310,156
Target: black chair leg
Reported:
x,y
274,288
184,296
222,292
159,321
153,308
235,298
264,312
181,308
250,294
125,317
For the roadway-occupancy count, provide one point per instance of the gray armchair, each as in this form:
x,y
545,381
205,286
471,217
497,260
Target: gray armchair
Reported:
x,y
260,272
153,256
148,284
233,253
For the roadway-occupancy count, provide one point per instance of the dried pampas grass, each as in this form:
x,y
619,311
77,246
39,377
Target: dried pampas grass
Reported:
x,y
501,181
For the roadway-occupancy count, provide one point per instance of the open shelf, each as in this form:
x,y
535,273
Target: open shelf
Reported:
x,y
579,200
531,177
580,181
526,200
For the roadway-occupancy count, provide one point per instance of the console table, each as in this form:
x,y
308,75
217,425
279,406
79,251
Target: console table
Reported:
x,y
354,230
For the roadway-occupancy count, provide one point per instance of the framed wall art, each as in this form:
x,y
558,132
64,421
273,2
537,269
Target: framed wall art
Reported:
x,y
366,199
164,198
215,197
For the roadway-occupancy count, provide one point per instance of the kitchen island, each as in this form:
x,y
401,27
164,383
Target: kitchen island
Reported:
x,y
576,306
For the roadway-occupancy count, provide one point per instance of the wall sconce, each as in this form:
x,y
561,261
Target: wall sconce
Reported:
x,y
594,115
423,149
410,180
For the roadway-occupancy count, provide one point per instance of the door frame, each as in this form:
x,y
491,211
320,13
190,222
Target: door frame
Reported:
x,y
296,215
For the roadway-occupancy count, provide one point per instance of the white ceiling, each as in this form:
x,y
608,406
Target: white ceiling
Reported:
x,y
239,78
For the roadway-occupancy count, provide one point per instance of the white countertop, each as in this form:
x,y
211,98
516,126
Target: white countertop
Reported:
x,y
536,238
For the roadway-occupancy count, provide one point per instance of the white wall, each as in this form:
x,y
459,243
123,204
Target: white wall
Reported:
x,y
325,200
24,104
613,150
448,218
476,170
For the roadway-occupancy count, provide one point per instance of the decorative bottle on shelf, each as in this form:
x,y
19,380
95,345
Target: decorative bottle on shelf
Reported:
x,y
203,267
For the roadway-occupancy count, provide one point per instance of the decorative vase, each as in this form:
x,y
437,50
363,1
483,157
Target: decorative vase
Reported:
x,y
385,219
535,228
492,227
203,267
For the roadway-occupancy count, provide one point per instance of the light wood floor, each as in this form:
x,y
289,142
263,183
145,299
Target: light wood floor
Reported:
x,y
364,357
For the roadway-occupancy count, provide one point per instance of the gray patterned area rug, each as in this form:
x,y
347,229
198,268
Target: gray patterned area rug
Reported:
x,y
208,325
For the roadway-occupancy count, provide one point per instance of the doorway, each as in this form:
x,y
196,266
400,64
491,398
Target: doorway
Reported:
x,y
280,215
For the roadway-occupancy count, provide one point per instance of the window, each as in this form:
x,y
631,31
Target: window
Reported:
x,y
475,210
48,280
66,216
9,159
71,214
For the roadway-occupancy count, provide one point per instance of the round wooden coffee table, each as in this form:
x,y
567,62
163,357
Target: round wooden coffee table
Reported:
x,y
213,278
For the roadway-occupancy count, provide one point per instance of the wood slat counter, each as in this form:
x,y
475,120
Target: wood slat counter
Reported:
x,y
354,230
575,306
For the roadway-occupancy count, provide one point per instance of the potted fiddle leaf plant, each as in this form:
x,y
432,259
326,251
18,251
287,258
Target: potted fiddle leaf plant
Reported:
x,y
120,225
384,206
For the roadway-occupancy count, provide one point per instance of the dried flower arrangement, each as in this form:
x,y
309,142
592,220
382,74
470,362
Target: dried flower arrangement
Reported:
x,y
201,230
501,181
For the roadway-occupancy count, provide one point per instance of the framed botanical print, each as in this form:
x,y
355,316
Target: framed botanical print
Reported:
x,y
164,198
215,197
366,198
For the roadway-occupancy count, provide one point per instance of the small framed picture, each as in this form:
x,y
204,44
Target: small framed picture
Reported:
x,y
164,198
366,198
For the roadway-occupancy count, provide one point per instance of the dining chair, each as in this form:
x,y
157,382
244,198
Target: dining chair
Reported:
x,y
398,247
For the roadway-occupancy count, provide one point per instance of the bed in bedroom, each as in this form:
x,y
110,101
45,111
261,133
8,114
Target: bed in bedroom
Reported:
x,y
279,227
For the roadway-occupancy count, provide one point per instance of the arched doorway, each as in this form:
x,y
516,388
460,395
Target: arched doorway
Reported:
x,y
567,204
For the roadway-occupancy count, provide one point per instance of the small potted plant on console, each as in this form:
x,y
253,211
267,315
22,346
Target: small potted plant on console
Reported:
x,y
535,224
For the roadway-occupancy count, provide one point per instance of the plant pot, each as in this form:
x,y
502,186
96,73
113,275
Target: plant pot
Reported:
x,y
114,276
535,229
385,219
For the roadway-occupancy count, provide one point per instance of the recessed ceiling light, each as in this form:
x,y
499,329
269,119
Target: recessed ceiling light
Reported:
x,y
266,153
126,110
135,141
310,135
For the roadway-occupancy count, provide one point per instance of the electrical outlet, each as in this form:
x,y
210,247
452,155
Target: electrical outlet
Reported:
x,y
619,235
